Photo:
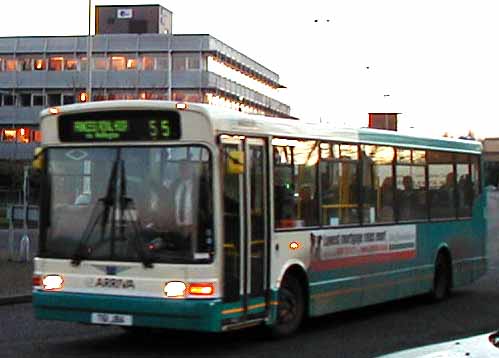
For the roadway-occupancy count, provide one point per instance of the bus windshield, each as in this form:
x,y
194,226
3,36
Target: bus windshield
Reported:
x,y
149,204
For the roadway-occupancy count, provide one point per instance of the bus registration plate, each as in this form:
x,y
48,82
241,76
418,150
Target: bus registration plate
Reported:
x,y
112,319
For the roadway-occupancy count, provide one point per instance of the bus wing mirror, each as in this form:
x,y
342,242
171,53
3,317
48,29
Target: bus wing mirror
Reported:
x,y
38,159
235,162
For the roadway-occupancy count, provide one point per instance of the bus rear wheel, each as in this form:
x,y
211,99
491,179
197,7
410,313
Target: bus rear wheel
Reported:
x,y
291,307
442,281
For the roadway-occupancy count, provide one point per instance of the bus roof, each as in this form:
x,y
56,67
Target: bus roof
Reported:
x,y
233,122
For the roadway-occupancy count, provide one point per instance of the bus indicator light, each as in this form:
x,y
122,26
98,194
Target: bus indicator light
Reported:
x,y
201,289
294,245
37,280
181,106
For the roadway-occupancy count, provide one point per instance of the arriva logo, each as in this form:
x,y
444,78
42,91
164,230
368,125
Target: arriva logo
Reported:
x,y
114,283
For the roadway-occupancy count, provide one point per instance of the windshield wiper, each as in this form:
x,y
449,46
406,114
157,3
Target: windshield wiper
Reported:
x,y
127,206
106,208
100,212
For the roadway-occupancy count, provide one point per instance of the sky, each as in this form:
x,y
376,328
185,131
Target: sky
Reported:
x,y
434,61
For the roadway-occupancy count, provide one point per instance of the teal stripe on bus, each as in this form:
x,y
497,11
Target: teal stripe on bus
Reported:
x,y
186,314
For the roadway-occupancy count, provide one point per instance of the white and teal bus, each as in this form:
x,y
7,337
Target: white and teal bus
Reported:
x,y
186,216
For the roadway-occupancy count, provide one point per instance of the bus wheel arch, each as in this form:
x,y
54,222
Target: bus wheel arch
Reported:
x,y
293,301
442,278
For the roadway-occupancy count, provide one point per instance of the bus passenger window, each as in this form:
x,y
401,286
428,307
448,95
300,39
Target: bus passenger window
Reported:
x,y
378,185
441,185
411,185
295,178
338,173
464,185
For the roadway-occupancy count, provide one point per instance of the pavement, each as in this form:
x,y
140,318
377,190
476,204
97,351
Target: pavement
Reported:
x,y
17,275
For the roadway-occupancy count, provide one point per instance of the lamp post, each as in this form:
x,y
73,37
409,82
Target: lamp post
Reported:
x,y
89,53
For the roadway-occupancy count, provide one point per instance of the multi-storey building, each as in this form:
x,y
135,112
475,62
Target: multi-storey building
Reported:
x,y
133,55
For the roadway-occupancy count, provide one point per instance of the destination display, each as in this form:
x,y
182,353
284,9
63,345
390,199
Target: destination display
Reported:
x,y
117,126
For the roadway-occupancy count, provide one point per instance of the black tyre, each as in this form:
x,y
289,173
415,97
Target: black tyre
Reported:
x,y
291,307
442,281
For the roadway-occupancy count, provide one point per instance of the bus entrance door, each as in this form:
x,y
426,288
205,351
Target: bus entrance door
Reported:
x,y
246,230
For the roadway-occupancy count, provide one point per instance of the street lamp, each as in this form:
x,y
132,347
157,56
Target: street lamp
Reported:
x,y
89,52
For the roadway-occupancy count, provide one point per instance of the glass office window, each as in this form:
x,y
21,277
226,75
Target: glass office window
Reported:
x,y
56,63
71,64
99,63
40,64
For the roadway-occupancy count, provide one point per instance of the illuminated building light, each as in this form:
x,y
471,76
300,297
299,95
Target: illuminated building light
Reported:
x,y
83,97
131,63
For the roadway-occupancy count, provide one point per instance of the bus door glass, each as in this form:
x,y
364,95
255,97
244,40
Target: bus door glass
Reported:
x,y
245,219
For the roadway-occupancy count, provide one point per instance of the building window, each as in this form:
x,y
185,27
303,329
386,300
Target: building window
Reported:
x,y
9,100
71,64
9,135
117,95
1,64
40,64
25,99
38,100
24,64
56,63
183,62
99,96
118,63
131,64
161,63
10,65
83,64
23,135
68,99
54,99
37,136
187,96
99,63
147,63
153,95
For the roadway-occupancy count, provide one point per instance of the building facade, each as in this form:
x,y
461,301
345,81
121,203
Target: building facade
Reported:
x,y
40,72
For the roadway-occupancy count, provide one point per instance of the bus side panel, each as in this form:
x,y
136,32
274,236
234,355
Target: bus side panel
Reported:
x,y
340,288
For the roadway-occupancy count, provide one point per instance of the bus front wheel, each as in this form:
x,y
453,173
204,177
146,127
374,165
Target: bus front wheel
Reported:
x,y
442,281
291,307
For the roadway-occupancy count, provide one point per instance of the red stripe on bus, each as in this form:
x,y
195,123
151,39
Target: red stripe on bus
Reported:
x,y
362,260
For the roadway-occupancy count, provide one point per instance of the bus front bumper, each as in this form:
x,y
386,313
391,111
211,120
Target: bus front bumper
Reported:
x,y
199,315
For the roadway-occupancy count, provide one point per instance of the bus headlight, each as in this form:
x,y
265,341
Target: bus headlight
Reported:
x,y
52,282
175,289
